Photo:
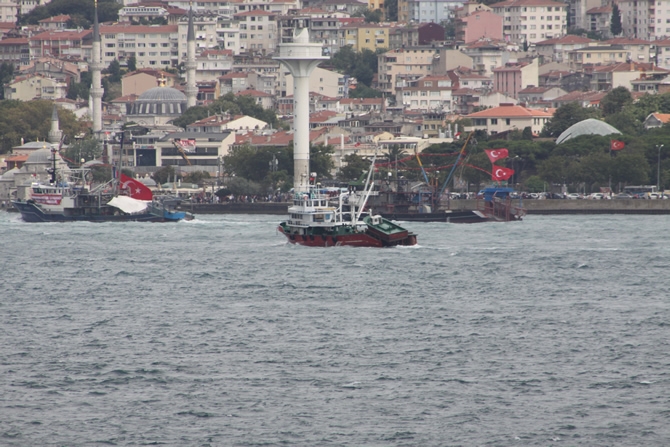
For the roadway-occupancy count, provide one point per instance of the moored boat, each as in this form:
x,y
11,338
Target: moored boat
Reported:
x,y
68,197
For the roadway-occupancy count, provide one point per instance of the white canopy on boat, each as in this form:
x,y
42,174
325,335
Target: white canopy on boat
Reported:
x,y
128,204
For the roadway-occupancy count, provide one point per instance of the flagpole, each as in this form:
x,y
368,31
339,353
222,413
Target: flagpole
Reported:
x,y
610,168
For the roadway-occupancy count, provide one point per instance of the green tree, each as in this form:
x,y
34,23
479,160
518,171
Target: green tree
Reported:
x,y
132,63
391,10
363,91
614,101
114,71
6,75
534,184
354,167
31,120
196,177
164,175
565,116
81,10
88,149
615,22
321,160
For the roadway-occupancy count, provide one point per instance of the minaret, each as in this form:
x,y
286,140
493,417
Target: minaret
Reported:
x,y
301,58
55,133
96,69
191,88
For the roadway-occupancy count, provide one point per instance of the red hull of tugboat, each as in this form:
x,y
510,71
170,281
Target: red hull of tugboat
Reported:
x,y
348,240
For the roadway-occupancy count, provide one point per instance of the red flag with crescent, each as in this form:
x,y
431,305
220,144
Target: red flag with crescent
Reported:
x,y
498,173
135,189
617,145
496,154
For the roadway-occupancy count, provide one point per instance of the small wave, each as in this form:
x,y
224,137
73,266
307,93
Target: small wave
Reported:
x,y
199,414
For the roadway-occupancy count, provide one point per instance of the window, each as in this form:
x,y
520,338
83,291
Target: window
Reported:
x,y
112,54
507,121
494,121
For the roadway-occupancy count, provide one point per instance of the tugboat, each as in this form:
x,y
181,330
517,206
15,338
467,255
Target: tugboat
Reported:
x,y
67,197
316,219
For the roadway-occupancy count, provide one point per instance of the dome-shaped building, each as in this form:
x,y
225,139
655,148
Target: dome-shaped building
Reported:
x,y
157,106
589,126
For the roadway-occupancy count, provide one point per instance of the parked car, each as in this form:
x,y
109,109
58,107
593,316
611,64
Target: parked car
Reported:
x,y
623,196
596,196
574,196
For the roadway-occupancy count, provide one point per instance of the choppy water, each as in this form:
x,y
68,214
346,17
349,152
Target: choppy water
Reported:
x,y
551,331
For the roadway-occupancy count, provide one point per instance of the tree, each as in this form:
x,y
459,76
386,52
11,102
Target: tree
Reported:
x,y
355,167
132,63
615,23
164,175
614,101
114,71
363,91
391,10
31,120
6,75
565,116
321,160
81,11
86,149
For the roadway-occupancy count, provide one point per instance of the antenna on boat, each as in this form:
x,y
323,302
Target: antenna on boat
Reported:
x,y
367,189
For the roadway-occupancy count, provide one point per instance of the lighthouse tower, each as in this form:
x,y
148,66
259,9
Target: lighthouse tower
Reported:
x,y
96,70
301,58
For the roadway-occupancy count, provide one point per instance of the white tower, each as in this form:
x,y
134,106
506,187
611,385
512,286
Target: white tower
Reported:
x,y
96,69
301,58
191,89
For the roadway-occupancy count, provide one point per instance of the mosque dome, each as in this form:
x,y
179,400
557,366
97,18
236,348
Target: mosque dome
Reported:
x,y
9,175
42,157
589,126
160,101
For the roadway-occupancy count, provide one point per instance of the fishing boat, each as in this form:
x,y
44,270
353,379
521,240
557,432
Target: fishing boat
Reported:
x,y
69,197
317,219
424,202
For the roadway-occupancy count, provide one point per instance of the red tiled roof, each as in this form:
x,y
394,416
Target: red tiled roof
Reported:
x,y
56,19
600,10
510,111
627,41
527,3
255,12
252,92
14,41
662,117
570,39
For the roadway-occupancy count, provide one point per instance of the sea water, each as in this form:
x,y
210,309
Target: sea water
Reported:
x,y
216,332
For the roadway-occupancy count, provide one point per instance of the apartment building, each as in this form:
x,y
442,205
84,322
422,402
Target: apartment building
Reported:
x,y
15,50
514,77
154,46
402,65
559,49
479,25
371,36
205,26
599,20
61,43
426,93
531,21
577,12
211,64
487,54
35,86
607,77
258,31
510,117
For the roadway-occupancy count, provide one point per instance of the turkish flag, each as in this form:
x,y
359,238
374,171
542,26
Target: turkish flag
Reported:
x,y
496,154
135,189
616,145
499,173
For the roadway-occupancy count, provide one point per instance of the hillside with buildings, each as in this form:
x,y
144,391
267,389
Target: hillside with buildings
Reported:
x,y
403,75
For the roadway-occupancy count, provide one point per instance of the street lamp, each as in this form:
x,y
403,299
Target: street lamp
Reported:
x,y
658,171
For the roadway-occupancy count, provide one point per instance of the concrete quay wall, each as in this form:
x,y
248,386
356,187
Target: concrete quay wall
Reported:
x,y
566,206
554,206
